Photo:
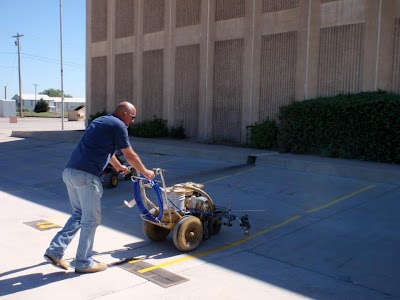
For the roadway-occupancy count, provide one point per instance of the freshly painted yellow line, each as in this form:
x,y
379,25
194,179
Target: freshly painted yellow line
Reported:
x,y
238,242
200,254
120,206
223,177
340,199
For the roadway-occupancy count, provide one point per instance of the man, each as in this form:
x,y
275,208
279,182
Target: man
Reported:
x,y
81,175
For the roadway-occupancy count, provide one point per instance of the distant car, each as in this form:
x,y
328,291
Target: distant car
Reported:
x,y
109,176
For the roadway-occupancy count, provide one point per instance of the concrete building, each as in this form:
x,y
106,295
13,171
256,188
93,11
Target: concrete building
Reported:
x,y
217,66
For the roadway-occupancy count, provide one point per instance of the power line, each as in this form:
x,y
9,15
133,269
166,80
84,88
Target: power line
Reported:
x,y
50,60
46,59
49,37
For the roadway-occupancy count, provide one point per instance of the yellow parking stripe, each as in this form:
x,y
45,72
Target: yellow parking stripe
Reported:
x,y
340,199
241,241
230,175
200,254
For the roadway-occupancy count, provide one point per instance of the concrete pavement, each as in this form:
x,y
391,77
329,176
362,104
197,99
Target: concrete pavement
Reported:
x,y
313,235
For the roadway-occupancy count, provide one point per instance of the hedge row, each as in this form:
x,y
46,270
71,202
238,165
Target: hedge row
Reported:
x,y
363,126
155,128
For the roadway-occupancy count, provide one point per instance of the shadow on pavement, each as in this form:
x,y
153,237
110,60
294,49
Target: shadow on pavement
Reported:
x,y
30,281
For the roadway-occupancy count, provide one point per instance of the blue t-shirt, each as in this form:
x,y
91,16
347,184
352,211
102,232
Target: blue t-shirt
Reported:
x,y
101,139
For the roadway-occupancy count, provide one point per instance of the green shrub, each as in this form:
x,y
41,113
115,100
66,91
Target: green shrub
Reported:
x,y
96,115
41,106
177,132
150,128
264,135
362,126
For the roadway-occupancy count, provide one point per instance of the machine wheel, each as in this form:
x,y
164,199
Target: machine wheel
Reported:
x,y
188,233
154,232
110,180
216,225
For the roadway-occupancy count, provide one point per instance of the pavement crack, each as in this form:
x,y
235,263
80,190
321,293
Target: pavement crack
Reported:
x,y
388,192
342,279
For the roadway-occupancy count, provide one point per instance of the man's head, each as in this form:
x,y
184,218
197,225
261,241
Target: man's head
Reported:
x,y
126,112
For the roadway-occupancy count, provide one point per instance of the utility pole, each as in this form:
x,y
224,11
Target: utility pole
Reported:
x,y
35,91
62,69
19,71
5,92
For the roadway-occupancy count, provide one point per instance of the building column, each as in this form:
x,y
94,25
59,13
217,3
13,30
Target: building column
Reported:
x,y
371,44
386,45
110,55
138,58
251,66
308,44
169,61
207,45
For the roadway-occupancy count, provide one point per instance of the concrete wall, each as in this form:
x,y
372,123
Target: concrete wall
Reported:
x,y
217,66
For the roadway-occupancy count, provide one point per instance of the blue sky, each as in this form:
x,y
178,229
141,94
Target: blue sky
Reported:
x,y
39,22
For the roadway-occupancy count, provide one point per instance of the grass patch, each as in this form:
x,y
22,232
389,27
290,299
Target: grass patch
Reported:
x,y
43,114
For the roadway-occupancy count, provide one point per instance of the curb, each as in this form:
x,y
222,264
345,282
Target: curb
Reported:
x,y
370,171
69,136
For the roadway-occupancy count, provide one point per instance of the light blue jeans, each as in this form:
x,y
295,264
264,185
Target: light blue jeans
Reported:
x,y
85,191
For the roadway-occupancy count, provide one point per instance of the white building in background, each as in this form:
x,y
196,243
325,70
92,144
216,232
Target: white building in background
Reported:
x,y
29,102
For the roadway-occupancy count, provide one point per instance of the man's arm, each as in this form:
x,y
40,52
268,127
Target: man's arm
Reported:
x,y
118,166
135,161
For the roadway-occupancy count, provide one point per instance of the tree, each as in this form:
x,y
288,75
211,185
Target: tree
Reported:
x,y
41,106
54,93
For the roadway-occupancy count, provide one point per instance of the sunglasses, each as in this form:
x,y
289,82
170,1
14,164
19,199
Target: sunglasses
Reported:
x,y
133,117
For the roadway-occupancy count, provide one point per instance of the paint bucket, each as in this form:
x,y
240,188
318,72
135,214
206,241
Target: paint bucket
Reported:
x,y
178,198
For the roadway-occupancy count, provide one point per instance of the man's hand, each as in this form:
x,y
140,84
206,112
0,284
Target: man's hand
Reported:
x,y
149,174
123,170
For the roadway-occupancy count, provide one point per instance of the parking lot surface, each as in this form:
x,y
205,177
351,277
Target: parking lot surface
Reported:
x,y
313,234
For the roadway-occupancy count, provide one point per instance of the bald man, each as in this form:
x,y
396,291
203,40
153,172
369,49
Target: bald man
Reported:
x,y
81,175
